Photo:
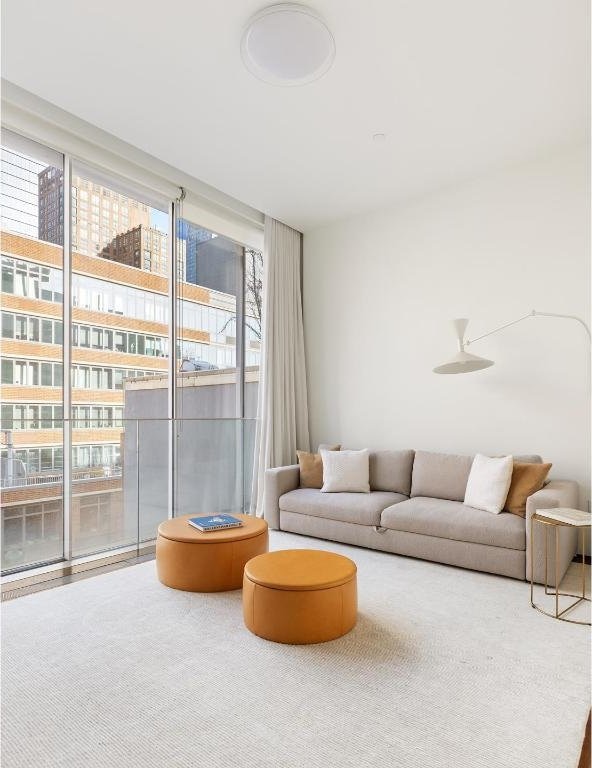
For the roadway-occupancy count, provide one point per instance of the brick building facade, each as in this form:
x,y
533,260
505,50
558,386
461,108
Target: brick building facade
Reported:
x,y
109,345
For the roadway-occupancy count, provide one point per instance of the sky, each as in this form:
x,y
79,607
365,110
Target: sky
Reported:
x,y
159,220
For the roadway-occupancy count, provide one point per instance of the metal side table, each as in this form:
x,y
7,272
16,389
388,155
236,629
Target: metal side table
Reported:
x,y
558,518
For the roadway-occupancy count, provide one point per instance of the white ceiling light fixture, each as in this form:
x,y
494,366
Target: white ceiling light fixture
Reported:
x,y
287,44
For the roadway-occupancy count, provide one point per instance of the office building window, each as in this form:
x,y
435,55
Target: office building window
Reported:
x,y
22,278
31,373
8,325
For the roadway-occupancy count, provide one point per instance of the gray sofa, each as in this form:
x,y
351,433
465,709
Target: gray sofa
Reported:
x,y
415,508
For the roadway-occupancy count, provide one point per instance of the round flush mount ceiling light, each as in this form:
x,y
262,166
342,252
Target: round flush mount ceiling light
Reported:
x,y
287,44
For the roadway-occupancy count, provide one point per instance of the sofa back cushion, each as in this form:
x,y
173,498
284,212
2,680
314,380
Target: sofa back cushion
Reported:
x,y
528,458
445,475
391,471
440,475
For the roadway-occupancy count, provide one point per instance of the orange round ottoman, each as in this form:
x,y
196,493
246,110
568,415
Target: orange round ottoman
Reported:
x,y
300,596
207,562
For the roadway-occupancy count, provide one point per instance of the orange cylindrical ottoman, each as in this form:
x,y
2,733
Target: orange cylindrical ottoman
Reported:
x,y
300,596
207,562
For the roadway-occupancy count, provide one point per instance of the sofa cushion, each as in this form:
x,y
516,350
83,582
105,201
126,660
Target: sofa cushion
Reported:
x,y
311,467
489,483
360,508
527,478
391,471
529,458
445,475
454,520
440,475
346,471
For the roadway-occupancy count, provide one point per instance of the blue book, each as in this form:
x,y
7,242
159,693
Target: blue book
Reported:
x,y
214,522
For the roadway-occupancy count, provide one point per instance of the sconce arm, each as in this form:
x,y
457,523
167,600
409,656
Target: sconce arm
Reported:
x,y
533,313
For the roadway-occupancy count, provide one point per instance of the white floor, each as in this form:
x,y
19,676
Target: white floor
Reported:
x,y
446,668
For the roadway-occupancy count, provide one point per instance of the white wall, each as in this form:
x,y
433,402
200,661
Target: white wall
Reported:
x,y
380,290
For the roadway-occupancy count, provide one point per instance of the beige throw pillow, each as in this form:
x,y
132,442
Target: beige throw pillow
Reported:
x,y
526,480
311,467
346,471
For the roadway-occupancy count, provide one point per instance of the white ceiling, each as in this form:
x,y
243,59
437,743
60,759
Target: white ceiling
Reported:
x,y
459,87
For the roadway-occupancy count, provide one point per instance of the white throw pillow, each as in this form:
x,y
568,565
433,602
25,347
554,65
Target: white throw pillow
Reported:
x,y
489,483
346,471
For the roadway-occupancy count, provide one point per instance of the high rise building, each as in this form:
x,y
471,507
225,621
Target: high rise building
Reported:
x,y
99,214
107,224
192,235
51,205
144,248
19,192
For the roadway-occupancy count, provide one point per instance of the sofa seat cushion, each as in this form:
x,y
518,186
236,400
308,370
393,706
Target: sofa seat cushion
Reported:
x,y
454,520
360,508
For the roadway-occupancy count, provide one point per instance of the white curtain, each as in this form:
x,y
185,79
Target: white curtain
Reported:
x,y
282,426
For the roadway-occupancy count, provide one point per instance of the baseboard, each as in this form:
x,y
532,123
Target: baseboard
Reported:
x,y
21,584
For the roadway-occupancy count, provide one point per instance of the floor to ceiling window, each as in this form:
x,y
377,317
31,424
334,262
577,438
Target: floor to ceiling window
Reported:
x,y
139,308
207,440
120,319
32,452
252,338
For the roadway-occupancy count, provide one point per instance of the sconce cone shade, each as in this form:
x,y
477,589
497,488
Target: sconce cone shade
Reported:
x,y
463,362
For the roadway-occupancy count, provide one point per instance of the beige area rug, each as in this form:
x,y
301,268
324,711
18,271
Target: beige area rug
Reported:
x,y
445,669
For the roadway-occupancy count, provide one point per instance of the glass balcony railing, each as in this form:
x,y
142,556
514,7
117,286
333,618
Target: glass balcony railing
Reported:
x,y
125,478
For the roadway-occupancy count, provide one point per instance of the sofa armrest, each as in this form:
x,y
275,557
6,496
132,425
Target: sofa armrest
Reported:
x,y
278,481
558,493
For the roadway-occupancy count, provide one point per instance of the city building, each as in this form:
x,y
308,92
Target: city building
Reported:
x,y
99,214
191,235
120,333
51,207
145,248
19,192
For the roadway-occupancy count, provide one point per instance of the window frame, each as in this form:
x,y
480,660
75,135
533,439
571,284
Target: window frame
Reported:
x,y
38,282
